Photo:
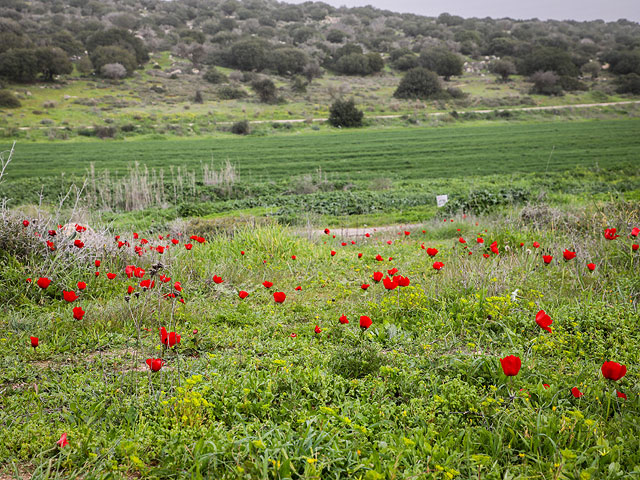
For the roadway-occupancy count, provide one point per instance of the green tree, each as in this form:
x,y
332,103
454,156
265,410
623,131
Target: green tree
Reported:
x,y
266,90
503,68
250,54
111,54
442,61
547,59
288,61
419,83
344,113
53,61
215,76
19,65
119,38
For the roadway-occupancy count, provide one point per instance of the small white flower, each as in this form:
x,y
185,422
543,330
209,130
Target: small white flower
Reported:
x,y
514,295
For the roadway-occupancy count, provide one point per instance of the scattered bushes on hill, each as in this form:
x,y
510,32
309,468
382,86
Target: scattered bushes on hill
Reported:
x,y
344,113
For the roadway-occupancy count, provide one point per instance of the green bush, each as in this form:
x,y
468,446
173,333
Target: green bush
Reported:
x,y
241,128
8,99
215,76
229,92
344,113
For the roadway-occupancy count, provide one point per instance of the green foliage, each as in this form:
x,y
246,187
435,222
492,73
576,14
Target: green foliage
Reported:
x,y
543,59
240,128
266,90
629,83
356,362
8,99
215,76
230,92
122,39
442,61
104,55
418,83
250,54
288,61
344,113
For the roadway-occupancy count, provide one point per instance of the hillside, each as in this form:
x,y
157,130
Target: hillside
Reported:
x,y
115,69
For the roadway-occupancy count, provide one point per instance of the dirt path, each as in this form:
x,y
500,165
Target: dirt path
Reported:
x,y
362,231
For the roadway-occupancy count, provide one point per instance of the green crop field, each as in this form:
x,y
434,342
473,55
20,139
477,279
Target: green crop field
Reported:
x,y
407,153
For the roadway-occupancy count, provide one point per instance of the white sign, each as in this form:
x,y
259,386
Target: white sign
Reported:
x,y
442,200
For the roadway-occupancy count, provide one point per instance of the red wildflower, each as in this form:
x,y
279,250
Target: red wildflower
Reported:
x,y
111,276
52,233
635,247
160,249
377,276
43,282
78,313
279,297
169,339
293,257
365,322
392,271
343,319
130,289
360,255
34,342
175,241
333,253
621,395
568,254
327,231
544,321
510,365
438,265
486,255
188,246
217,279
155,364
25,223
536,245
364,286
267,284
547,259
63,441
462,240
635,231
402,281
367,235
479,240
576,393
591,266
293,335
78,243
610,233
69,296
613,370
242,294
432,252
379,258
298,288
494,248
545,385
389,283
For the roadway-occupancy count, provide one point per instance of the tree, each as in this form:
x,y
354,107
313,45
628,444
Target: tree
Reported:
x,y
344,113
442,61
53,61
116,37
84,65
114,71
503,68
591,68
546,83
198,97
249,54
112,54
336,36
19,65
266,90
419,83
547,59
288,61
629,83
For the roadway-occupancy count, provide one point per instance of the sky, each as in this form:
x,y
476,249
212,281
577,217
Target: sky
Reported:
x,y
608,10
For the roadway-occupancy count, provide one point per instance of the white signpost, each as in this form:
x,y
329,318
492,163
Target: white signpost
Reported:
x,y
442,200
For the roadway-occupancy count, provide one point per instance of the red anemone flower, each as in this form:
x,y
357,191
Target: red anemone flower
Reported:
x,y
298,288
317,329
82,285
479,240
177,286
155,364
536,245
69,296
438,265
175,241
393,271
511,365
365,322
364,286
576,393
78,243
494,248
343,319
360,255
635,247
242,294
635,231
610,233
462,240
379,258
25,223
279,297
389,283
568,254
377,276
188,246
591,266
217,279
547,259
432,252
78,313
169,339
544,321
34,342
333,253
621,395
613,370
327,231
111,276
545,385
293,257
267,284
43,282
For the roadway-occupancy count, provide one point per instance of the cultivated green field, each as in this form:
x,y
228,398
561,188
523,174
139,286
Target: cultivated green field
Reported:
x,y
407,153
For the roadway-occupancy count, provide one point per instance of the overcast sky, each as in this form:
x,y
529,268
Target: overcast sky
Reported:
x,y
608,10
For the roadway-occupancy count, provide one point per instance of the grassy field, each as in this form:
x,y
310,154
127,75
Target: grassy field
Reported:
x,y
257,389
400,154
154,102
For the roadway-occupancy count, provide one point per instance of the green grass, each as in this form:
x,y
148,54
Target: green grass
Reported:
x,y
407,153
419,395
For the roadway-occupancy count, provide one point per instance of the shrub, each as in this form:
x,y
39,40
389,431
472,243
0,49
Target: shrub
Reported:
x,y
442,61
113,71
546,83
336,36
112,54
418,83
8,99
241,128
215,76
105,131
503,68
266,90
343,113
198,97
628,84
231,93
